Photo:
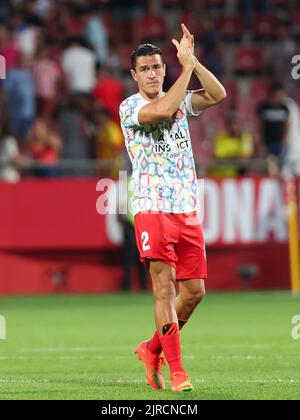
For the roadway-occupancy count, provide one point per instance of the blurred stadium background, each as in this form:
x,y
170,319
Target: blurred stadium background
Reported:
x,y
64,69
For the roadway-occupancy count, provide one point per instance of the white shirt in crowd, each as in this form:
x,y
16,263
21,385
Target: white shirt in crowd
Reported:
x,y
79,65
292,163
8,152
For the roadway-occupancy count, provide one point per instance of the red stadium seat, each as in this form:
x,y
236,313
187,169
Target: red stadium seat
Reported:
x,y
259,89
152,27
124,27
246,107
249,60
74,26
108,23
193,22
232,93
231,88
265,26
246,113
170,55
231,27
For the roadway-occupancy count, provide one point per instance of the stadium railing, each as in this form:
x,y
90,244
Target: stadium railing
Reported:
x,y
90,167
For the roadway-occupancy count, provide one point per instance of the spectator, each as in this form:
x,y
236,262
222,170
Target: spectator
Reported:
x,y
44,146
25,35
9,158
20,97
283,50
109,141
54,23
273,117
8,48
130,255
46,75
42,7
31,14
76,133
292,161
108,92
79,65
234,145
96,34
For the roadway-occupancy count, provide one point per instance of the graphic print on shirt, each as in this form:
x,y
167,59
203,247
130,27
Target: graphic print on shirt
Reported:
x,y
164,177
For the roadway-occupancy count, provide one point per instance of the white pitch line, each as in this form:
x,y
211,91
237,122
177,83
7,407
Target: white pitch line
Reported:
x,y
131,357
141,381
54,357
42,358
269,381
242,346
24,381
239,357
61,349
130,348
205,381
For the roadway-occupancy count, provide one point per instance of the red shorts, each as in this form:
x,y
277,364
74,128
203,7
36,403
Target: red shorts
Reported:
x,y
175,239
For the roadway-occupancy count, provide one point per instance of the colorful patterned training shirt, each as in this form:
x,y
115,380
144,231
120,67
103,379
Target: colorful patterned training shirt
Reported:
x,y
164,176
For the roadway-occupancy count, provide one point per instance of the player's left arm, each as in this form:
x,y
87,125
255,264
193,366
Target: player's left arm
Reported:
x,y
213,92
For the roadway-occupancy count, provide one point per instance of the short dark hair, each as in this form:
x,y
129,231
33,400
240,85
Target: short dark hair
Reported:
x,y
142,50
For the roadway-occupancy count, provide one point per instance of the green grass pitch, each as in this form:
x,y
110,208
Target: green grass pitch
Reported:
x,y
236,346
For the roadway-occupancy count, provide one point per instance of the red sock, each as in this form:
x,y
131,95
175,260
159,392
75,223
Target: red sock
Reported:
x,y
170,343
154,344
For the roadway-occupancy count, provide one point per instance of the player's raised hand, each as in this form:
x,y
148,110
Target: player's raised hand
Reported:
x,y
184,52
189,36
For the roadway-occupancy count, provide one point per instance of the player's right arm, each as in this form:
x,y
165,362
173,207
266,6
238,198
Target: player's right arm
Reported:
x,y
165,107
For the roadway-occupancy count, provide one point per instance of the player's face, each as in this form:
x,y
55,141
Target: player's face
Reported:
x,y
149,74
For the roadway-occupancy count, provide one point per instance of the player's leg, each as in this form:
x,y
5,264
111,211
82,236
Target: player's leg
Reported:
x,y
168,307
163,282
191,293
191,265
163,279
155,248
191,268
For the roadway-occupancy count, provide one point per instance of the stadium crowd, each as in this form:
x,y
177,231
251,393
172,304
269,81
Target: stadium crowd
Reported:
x,y
67,69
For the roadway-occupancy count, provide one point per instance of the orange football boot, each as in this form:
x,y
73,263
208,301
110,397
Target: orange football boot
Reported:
x,y
180,382
153,364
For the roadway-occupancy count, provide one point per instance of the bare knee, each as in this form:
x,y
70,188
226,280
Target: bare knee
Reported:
x,y
200,295
193,299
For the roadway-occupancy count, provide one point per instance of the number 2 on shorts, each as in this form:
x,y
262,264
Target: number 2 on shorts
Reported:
x,y
145,239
